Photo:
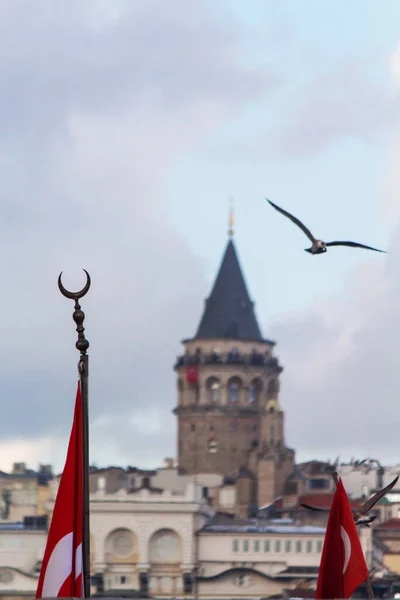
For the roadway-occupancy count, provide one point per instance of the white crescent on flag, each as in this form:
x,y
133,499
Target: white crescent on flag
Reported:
x,y
347,547
59,566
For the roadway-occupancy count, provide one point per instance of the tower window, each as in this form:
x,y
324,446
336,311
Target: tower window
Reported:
x,y
254,443
253,391
234,386
214,390
212,446
251,398
193,427
233,392
212,427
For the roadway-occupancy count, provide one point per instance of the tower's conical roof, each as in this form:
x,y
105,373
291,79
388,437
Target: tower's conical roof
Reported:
x,y
229,312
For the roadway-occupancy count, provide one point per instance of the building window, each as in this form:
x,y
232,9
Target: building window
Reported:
x,y
245,545
254,391
256,545
251,394
319,546
271,433
123,543
254,427
214,390
266,545
122,579
212,427
298,546
193,427
309,546
233,391
212,447
235,546
277,545
288,546
318,484
243,580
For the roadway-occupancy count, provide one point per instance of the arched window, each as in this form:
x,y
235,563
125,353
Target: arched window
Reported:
x,y
121,543
214,390
251,397
254,391
233,390
234,386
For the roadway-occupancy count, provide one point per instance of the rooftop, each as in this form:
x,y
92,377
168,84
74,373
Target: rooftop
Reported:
x,y
390,524
278,526
229,312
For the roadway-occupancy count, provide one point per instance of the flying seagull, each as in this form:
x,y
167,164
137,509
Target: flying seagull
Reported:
x,y
361,515
318,246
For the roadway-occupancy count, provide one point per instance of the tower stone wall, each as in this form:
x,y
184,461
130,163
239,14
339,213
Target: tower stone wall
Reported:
x,y
220,414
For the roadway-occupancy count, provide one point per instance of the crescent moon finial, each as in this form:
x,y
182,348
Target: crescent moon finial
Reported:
x,y
74,295
78,315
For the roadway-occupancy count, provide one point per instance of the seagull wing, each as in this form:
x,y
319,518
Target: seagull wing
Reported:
x,y
366,507
315,508
294,220
354,245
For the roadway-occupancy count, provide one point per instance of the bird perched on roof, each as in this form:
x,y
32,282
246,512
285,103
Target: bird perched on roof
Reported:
x,y
361,516
318,246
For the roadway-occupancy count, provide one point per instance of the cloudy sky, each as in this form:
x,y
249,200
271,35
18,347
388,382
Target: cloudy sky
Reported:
x,y
125,128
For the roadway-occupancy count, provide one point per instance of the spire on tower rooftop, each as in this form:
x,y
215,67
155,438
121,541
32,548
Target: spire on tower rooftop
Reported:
x,y
229,311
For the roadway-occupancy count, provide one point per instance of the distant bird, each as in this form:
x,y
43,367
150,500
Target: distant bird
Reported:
x,y
318,246
361,516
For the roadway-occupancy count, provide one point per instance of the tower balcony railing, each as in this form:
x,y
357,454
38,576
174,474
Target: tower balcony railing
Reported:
x,y
229,358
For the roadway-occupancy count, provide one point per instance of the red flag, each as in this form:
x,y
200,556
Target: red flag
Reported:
x,y
343,567
191,374
61,572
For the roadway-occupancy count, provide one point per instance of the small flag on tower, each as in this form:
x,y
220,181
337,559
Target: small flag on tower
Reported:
x,y
191,374
61,572
343,567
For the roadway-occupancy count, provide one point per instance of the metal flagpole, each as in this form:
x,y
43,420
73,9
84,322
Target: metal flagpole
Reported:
x,y
83,368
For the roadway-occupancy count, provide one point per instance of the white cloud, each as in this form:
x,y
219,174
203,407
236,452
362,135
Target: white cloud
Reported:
x,y
97,102
341,386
